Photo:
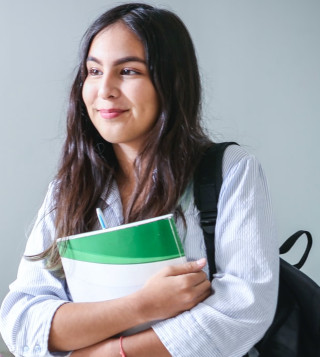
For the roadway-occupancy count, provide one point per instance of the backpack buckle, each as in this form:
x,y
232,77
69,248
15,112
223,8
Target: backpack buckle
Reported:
x,y
208,221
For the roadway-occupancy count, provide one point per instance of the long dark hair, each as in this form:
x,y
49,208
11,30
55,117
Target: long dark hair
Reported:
x,y
174,144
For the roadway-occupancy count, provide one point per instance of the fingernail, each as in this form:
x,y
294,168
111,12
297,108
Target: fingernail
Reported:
x,y
202,261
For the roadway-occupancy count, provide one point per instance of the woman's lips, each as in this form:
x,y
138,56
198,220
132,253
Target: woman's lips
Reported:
x,y
111,113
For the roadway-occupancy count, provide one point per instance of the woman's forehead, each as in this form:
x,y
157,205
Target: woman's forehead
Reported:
x,y
116,40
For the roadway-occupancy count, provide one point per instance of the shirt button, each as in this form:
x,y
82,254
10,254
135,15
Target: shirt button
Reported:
x,y
25,349
37,348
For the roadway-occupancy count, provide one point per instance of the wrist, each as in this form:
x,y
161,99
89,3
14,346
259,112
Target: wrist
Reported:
x,y
111,347
139,307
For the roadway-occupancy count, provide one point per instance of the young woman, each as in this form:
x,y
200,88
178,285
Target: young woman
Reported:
x,y
133,141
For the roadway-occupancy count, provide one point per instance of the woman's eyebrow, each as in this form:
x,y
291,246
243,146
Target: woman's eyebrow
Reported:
x,y
129,59
118,61
93,59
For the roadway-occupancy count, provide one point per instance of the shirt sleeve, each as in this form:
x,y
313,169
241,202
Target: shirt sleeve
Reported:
x,y
243,303
27,310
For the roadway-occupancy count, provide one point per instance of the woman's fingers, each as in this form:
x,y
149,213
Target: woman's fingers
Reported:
x,y
203,290
175,289
186,268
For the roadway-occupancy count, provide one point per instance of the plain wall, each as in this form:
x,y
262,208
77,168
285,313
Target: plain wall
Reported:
x,y
260,63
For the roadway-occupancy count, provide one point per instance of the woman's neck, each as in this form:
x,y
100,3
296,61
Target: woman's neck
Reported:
x,y
125,176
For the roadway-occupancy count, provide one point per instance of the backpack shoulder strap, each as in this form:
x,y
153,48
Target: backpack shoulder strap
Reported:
x,y
207,185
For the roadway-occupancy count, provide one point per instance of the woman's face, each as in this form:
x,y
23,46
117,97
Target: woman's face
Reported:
x,y
121,100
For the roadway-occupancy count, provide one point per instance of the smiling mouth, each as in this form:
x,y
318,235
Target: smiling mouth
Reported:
x,y
111,113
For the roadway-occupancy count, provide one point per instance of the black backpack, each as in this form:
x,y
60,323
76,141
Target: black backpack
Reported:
x,y
295,330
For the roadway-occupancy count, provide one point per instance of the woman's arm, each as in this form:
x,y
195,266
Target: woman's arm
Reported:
x,y
173,290
143,344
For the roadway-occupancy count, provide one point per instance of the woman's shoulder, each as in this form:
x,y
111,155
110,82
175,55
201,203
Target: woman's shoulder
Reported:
x,y
237,157
48,202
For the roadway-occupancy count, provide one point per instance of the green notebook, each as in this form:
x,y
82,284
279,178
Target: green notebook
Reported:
x,y
111,263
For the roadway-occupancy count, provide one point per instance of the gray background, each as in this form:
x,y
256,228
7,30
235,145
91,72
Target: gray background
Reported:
x,y
260,66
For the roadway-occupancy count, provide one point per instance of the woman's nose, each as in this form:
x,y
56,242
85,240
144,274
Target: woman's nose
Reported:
x,y
108,88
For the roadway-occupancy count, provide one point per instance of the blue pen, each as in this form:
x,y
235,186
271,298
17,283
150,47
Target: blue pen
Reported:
x,y
101,218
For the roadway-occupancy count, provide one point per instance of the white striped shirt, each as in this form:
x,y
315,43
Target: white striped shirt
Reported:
x,y
227,324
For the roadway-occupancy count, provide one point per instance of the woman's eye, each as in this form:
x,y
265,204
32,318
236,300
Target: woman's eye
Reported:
x,y
128,72
94,72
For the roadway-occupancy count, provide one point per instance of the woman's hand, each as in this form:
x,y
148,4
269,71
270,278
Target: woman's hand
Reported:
x,y
173,290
